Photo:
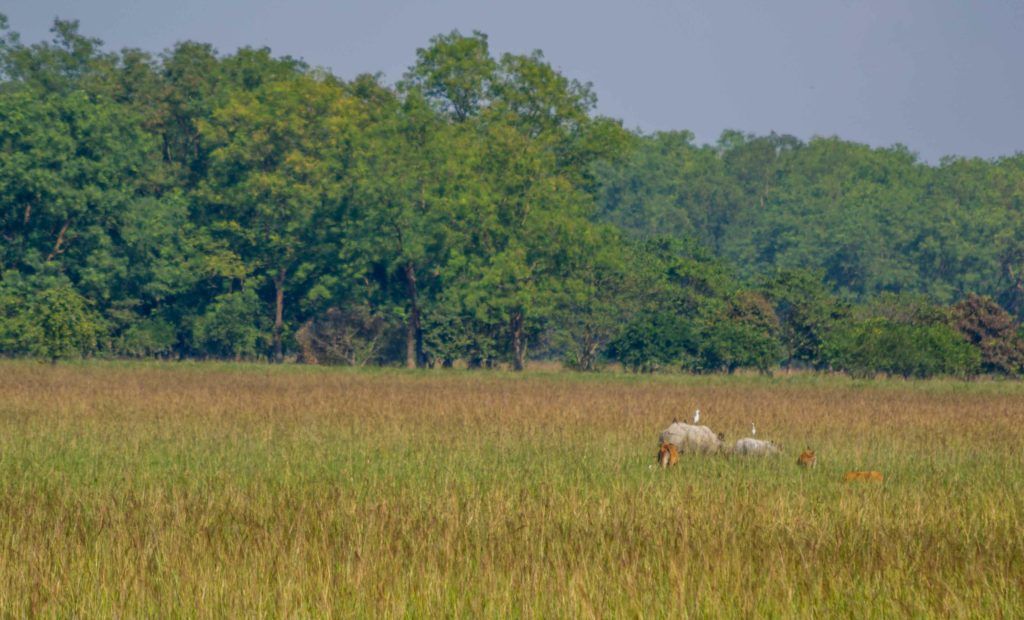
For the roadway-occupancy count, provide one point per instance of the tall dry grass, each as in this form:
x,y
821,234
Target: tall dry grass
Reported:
x,y
218,490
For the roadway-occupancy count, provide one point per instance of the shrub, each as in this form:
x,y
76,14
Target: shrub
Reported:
x,y
743,335
653,342
230,325
806,311
880,345
52,323
352,335
148,337
732,344
992,331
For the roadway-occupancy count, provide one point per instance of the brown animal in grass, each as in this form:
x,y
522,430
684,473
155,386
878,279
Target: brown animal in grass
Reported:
x,y
807,458
870,476
668,455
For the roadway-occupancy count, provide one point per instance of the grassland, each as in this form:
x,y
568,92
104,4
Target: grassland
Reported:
x,y
219,490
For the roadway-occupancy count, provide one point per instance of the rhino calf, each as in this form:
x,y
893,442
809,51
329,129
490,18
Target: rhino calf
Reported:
x,y
755,447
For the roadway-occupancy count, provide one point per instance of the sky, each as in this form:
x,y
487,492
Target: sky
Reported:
x,y
942,77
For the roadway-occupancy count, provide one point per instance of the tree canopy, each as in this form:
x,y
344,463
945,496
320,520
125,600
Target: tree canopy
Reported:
x,y
247,206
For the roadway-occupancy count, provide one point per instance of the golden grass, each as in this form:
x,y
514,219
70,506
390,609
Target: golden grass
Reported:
x,y
240,491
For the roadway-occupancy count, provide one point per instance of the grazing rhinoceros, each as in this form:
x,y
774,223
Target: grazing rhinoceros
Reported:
x,y
691,438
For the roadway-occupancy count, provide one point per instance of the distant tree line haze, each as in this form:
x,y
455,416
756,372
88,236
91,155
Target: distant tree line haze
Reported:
x,y
479,212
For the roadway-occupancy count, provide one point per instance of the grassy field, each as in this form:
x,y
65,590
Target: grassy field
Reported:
x,y
240,491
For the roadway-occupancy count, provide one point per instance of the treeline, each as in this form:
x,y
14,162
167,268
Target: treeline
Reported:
x,y
870,220
196,205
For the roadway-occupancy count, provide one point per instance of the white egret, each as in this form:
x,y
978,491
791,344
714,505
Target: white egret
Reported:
x,y
696,416
753,429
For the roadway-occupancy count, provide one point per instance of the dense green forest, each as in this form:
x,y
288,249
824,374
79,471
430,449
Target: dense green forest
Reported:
x,y
198,205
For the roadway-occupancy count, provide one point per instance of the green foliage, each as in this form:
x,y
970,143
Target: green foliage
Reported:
x,y
280,143
745,337
668,186
880,345
230,326
210,205
653,342
51,323
446,336
870,220
148,337
455,73
806,312
730,345
609,288
668,340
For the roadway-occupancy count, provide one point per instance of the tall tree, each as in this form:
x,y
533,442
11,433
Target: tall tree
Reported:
x,y
276,162
401,195
71,158
454,73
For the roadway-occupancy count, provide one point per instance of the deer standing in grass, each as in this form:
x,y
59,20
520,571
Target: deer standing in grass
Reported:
x,y
807,458
668,455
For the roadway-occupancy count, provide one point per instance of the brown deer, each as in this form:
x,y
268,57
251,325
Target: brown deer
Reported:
x,y
870,476
668,455
807,458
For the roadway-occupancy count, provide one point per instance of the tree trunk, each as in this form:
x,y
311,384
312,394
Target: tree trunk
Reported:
x,y
278,315
413,332
60,241
1016,298
587,351
590,360
518,341
410,342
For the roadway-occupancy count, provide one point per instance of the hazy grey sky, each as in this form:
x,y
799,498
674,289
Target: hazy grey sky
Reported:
x,y
941,76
